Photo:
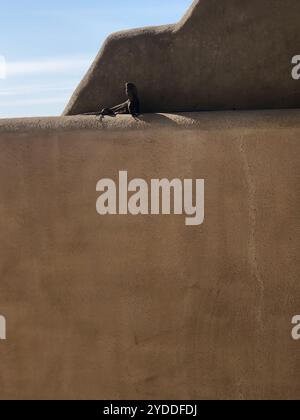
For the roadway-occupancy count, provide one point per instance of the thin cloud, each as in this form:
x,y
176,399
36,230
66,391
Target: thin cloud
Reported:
x,y
26,90
47,66
30,102
2,67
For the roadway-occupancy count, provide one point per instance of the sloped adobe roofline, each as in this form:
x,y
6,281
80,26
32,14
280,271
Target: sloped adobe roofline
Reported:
x,y
172,27
187,16
206,65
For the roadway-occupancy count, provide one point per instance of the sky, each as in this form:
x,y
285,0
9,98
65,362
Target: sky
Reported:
x,y
46,46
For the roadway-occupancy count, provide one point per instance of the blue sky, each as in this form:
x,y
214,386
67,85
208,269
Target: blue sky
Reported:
x,y
48,45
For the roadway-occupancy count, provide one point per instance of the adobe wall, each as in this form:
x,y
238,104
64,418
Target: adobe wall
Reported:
x,y
123,307
223,54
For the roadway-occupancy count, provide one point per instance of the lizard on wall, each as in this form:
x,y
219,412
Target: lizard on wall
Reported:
x,y
131,106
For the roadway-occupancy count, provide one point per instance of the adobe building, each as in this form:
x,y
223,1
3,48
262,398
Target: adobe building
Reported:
x,y
145,307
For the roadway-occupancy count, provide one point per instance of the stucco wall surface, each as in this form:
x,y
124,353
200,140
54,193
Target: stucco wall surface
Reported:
x,y
145,307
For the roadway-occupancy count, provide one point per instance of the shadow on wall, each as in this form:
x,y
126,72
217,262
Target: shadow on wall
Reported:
x,y
223,54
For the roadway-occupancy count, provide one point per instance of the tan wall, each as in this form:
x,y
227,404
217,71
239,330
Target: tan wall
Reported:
x,y
145,307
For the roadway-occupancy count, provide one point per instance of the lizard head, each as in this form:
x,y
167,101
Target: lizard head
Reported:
x,y
131,91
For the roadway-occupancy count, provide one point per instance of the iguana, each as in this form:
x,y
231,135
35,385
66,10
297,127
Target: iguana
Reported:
x,y
131,106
